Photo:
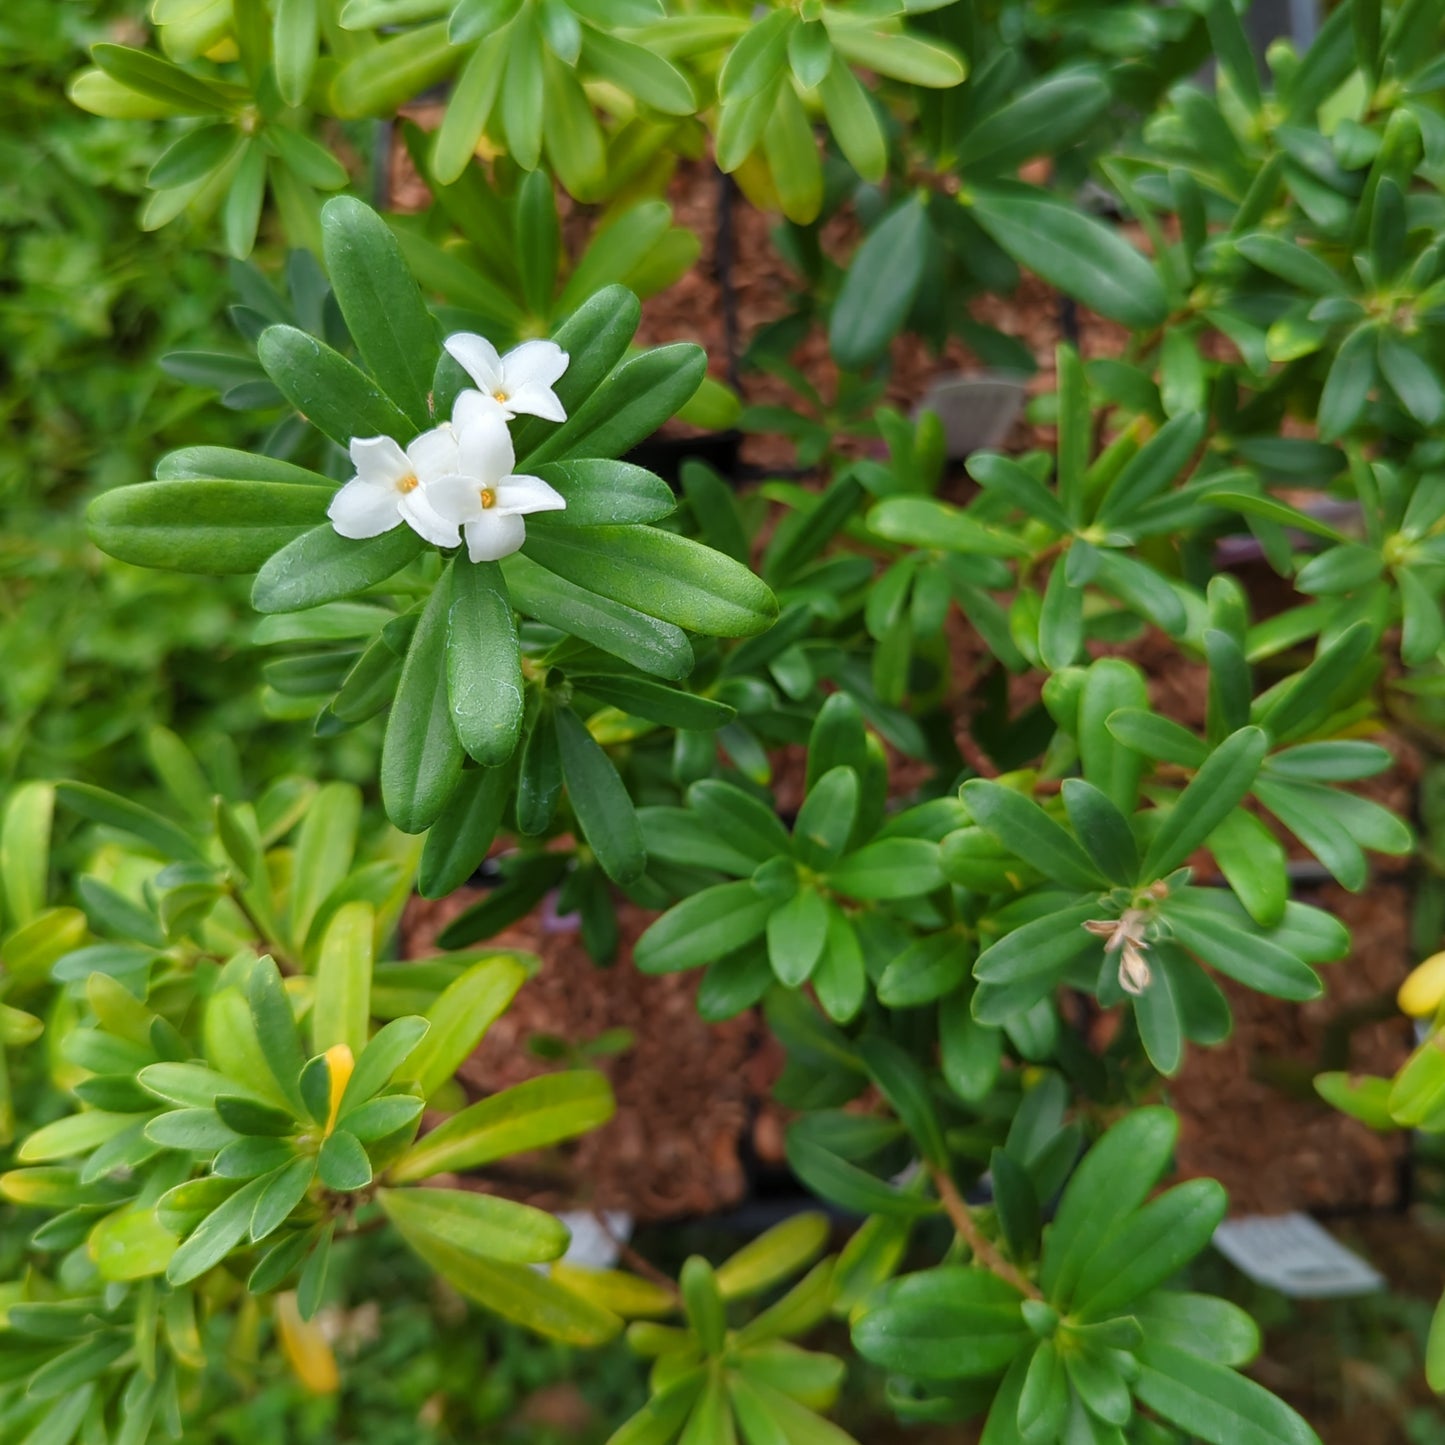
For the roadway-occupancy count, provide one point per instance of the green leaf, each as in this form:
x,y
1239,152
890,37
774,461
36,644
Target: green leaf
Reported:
x,y
1157,737
325,846
947,1323
384,1116
659,574
478,1224
742,821
381,303
469,108
1253,861
1213,1403
388,1048
1110,685
1153,469
1213,1329
460,1019
707,926
638,72
889,868
529,1115
286,1188
458,842
1026,964
1435,1349
906,1088
1039,119
651,645
1307,699
880,286
853,119
667,705
25,850
1412,378
341,1010
1240,952
797,931
758,58
761,1407
276,1033
600,800
212,527
421,755
627,407
1030,833
1113,1180
1347,387
150,75
72,1135
601,492
1290,262
328,390
1008,478
483,663
1071,250
925,522
783,1250
518,1293
169,841
342,1163
828,816
218,1233
902,57
1147,1248
294,38
1211,796
842,1183
1102,829
1044,1399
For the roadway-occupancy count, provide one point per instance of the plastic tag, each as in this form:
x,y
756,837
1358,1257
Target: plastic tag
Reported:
x,y
1295,1255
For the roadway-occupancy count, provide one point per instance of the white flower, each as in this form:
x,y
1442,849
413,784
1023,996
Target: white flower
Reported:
x,y
393,486
519,382
482,496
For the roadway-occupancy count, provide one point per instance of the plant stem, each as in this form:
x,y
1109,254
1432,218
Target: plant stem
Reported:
x,y
634,1260
985,1252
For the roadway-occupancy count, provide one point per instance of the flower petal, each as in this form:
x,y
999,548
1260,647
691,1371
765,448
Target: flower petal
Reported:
x,y
478,358
434,452
379,460
491,536
534,399
516,496
533,361
486,449
472,404
364,509
455,499
424,519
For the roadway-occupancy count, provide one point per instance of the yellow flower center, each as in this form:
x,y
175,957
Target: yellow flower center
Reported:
x,y
408,483
499,396
489,498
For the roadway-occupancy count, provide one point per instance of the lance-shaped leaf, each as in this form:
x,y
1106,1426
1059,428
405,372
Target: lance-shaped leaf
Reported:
x,y
211,527
382,304
421,755
1030,833
530,1115
659,574
1215,791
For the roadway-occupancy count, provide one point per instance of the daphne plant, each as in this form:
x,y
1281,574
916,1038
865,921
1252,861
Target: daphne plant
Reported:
x,y
862,737
598,574
1085,1339
710,1380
